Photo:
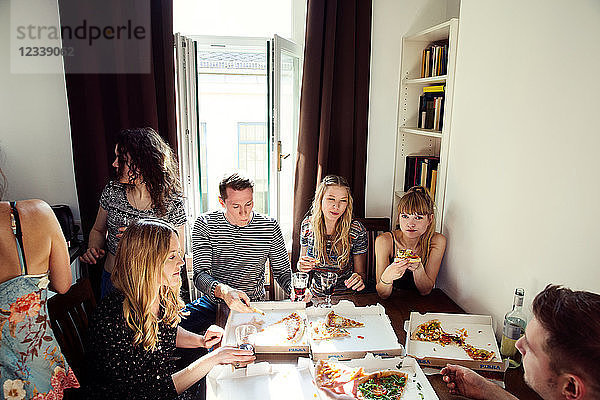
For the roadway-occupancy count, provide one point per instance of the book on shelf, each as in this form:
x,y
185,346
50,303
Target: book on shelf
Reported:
x,y
421,170
431,108
434,60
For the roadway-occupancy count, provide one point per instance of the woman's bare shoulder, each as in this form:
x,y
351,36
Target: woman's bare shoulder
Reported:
x,y
438,239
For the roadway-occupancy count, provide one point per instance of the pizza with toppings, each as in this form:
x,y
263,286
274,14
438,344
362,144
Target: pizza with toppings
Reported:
x,y
294,326
337,321
431,331
320,331
408,254
478,354
333,375
381,385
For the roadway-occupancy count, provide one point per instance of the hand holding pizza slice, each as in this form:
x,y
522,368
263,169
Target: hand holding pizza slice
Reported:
x,y
407,254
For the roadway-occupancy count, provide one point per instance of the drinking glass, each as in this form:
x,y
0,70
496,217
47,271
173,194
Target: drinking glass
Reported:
x,y
245,337
299,283
328,281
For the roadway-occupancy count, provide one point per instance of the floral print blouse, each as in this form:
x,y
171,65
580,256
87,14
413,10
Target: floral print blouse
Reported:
x,y
31,363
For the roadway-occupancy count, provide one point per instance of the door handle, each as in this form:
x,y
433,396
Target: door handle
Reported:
x,y
280,156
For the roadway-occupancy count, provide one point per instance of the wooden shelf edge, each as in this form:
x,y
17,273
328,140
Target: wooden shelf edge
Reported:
x,y
422,132
423,81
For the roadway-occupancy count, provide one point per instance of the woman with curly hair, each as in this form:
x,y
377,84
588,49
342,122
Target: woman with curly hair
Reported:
x,y
147,185
331,240
416,219
134,331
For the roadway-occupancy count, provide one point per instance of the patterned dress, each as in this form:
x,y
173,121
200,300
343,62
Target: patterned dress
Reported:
x,y
31,363
358,245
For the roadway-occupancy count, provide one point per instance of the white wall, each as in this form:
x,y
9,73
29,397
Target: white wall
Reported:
x,y
522,193
391,20
35,139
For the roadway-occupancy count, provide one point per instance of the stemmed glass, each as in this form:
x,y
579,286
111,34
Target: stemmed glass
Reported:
x,y
299,283
328,281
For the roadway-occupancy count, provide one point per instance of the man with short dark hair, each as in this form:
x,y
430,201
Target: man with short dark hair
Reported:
x,y
560,348
230,249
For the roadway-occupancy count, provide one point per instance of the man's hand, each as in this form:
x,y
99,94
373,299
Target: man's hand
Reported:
x,y
465,382
212,336
235,299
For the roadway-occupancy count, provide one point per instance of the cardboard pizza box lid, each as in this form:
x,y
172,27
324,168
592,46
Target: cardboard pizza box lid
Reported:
x,y
274,312
480,333
418,386
377,336
262,381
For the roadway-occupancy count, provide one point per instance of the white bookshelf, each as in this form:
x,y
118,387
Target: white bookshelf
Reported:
x,y
411,140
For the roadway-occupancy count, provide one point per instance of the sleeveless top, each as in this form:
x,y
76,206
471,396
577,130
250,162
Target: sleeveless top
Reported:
x,y
31,363
407,281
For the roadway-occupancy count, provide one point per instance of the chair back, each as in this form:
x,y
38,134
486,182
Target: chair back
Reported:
x,y
69,316
374,227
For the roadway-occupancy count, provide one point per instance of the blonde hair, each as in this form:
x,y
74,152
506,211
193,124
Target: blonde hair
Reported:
x,y
418,201
137,273
340,242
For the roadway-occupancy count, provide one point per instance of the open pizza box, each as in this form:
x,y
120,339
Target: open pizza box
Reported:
x,y
263,381
417,387
480,334
269,341
377,336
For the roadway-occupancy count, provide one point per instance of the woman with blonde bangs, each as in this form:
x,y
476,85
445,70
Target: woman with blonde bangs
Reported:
x,y
331,240
416,219
134,332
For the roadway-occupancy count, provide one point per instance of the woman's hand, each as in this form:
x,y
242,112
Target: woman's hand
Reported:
x,y
121,230
306,264
395,270
355,282
232,355
212,336
92,255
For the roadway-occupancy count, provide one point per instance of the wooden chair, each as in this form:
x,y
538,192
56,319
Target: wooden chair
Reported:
x,y
69,316
374,227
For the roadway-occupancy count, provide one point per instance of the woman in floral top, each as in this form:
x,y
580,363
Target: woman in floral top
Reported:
x,y
133,335
33,253
331,240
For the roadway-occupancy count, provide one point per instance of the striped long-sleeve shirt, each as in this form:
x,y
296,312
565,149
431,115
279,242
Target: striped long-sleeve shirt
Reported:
x,y
236,255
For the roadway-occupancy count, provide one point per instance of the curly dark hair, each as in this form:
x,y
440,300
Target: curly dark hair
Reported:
x,y
571,321
152,160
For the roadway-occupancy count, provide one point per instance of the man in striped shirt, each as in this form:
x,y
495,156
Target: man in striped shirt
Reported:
x,y
231,248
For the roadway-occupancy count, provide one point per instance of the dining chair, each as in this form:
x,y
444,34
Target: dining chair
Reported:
x,y
374,227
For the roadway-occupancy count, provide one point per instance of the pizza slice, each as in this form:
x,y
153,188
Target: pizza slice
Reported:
x,y
430,331
387,385
320,331
408,254
477,353
337,321
333,375
294,326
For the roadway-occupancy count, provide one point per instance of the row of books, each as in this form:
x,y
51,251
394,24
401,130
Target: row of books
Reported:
x,y
421,171
435,60
431,108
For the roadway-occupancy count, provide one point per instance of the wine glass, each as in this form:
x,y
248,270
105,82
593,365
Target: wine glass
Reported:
x,y
245,336
299,283
328,281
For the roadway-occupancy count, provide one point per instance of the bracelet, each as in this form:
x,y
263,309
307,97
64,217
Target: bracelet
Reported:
x,y
384,282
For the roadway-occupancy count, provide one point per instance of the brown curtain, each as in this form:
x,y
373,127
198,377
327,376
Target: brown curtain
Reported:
x,y
334,102
101,104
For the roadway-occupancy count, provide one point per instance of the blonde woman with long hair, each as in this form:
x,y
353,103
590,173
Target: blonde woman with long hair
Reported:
x,y
331,240
134,333
416,219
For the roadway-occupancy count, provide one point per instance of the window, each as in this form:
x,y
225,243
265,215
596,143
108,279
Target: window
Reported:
x,y
253,158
